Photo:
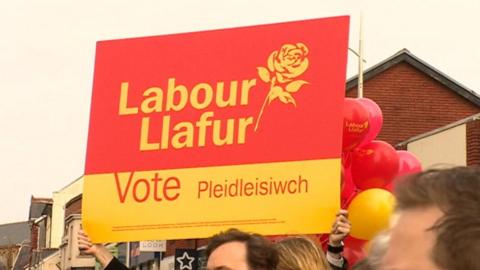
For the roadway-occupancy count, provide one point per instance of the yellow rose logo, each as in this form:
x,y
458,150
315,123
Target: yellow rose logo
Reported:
x,y
289,62
283,67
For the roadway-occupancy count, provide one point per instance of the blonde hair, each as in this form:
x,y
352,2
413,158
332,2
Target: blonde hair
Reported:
x,y
300,253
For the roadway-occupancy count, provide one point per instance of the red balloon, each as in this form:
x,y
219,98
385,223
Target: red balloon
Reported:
x,y
374,165
390,186
323,239
375,119
408,163
355,123
348,189
353,250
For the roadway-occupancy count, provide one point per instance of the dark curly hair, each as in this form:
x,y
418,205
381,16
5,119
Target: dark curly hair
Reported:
x,y
261,255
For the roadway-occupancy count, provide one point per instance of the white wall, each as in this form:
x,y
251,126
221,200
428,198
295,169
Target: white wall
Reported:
x,y
60,198
446,147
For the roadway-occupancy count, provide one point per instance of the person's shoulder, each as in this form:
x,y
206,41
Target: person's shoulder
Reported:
x,y
115,264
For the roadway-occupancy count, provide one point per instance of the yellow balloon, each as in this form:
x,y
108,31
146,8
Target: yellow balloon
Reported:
x,y
370,212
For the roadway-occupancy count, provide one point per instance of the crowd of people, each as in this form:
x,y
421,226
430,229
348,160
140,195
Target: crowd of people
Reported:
x,y
436,226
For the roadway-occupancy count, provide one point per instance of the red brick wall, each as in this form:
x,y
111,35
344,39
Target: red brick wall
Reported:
x,y
473,143
413,103
202,242
74,206
179,244
34,237
172,245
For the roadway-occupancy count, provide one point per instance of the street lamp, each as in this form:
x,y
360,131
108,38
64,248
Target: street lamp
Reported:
x,y
361,60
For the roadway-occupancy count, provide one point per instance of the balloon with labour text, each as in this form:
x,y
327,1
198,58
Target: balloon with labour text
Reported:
x,y
355,123
375,119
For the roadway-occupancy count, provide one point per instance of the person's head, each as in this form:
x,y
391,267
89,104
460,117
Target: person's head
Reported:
x,y
300,253
438,221
237,250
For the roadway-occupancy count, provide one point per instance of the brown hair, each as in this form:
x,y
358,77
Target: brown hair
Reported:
x,y
260,252
300,253
456,192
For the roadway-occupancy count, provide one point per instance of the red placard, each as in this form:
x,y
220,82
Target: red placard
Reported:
x,y
309,130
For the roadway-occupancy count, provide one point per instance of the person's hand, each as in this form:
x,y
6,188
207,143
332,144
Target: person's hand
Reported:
x,y
340,228
101,253
85,244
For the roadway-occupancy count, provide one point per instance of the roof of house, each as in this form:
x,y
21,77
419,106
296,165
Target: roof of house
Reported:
x,y
405,55
39,207
14,233
69,184
475,117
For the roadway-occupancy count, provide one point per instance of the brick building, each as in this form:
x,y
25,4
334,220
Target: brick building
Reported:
x,y
40,219
417,100
70,255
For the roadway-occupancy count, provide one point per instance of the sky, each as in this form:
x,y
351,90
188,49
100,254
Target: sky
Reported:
x,y
47,53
